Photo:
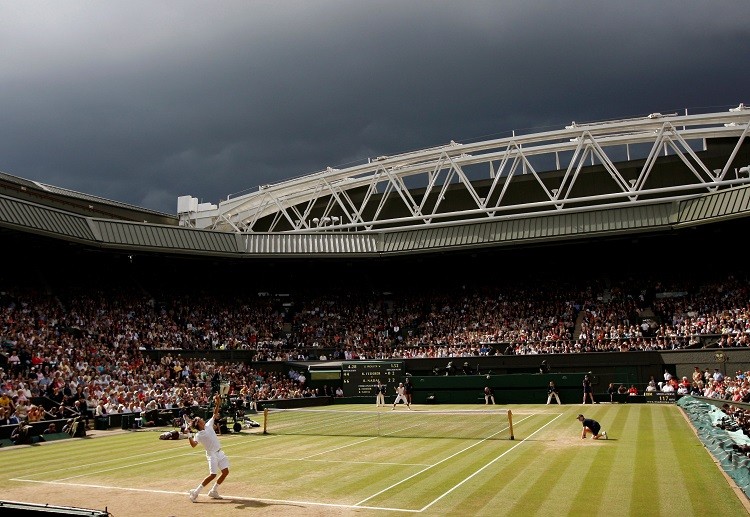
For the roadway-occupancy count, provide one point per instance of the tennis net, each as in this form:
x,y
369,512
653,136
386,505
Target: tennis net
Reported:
x,y
468,424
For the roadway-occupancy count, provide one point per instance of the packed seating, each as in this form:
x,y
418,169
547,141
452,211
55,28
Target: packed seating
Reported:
x,y
81,348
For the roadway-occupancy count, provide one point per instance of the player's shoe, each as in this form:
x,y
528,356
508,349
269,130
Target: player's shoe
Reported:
x,y
193,495
604,434
214,494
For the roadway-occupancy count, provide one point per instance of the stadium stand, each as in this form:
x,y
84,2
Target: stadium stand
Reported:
x,y
130,312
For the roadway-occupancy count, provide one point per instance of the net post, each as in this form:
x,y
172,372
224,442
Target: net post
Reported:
x,y
510,424
265,420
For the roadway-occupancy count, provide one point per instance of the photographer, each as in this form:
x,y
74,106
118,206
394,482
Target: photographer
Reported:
x,y
21,434
68,427
75,427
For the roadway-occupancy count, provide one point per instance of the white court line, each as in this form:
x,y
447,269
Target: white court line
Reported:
x,y
271,458
194,453
339,448
225,496
363,441
105,461
170,450
284,501
488,464
78,467
435,464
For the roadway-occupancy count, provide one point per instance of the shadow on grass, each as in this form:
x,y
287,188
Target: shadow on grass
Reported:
x,y
244,504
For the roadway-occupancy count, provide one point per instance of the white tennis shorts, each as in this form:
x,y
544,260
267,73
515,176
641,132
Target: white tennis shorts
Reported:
x,y
217,462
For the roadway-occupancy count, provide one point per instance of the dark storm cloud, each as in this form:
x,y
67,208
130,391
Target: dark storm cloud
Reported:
x,y
142,102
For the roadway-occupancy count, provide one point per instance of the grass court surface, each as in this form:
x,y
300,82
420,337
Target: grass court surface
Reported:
x,y
652,464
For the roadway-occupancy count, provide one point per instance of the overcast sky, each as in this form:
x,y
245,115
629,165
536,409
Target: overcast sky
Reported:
x,y
145,101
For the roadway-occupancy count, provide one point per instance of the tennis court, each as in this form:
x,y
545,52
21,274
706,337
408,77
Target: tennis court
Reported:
x,y
359,460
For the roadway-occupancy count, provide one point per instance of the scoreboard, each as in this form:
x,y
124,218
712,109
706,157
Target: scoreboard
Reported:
x,y
360,378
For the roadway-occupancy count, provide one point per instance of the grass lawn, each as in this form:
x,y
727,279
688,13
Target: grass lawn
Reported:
x,y
652,464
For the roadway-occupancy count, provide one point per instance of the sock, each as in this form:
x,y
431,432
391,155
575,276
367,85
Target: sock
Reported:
x,y
215,487
200,487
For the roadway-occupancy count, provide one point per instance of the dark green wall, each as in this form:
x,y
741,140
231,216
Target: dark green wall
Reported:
x,y
428,375
515,388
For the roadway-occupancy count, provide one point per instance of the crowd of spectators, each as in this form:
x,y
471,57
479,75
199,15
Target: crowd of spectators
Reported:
x,y
553,318
716,385
93,388
82,349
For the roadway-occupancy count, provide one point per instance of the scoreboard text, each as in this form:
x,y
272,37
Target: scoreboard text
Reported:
x,y
360,378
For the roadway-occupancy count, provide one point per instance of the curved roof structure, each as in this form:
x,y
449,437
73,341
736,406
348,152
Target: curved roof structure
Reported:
x,y
641,175
582,167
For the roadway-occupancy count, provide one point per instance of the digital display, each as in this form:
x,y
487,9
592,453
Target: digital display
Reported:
x,y
325,375
660,398
360,378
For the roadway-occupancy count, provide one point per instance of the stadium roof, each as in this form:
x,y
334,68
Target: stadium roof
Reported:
x,y
636,176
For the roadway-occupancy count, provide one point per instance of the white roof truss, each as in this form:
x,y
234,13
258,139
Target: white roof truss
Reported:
x,y
415,189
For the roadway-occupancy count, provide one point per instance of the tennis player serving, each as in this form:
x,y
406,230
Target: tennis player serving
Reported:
x,y
217,460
